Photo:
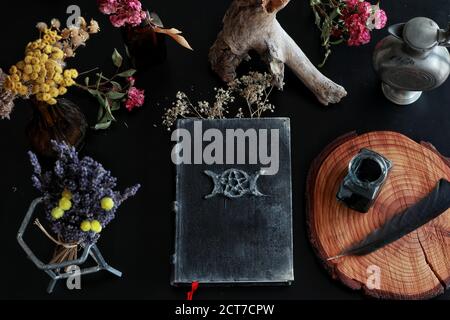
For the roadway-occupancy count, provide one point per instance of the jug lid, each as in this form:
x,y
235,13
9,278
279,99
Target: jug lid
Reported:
x,y
421,33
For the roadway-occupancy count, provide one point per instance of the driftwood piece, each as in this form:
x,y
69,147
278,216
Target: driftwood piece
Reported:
x,y
252,25
415,266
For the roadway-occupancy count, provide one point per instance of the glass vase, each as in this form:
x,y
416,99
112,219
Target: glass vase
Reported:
x,y
145,47
63,122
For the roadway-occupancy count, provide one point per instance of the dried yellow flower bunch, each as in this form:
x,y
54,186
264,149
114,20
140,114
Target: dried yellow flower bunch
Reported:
x,y
42,72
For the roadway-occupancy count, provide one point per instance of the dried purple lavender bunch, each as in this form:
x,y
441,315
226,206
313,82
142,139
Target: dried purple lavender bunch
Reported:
x,y
78,194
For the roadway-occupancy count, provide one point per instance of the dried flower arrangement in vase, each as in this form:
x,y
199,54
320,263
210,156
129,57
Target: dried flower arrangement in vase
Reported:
x,y
143,32
43,78
253,90
349,21
79,200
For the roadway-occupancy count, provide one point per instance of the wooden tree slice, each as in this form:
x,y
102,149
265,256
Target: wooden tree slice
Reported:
x,y
415,267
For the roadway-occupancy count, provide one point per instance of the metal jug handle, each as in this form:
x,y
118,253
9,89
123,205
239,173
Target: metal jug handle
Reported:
x,y
444,37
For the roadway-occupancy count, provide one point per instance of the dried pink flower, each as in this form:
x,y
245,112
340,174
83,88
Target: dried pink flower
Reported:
x,y
359,34
123,12
135,99
353,23
380,19
351,4
364,10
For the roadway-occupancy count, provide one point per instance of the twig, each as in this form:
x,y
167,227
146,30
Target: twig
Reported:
x,y
89,71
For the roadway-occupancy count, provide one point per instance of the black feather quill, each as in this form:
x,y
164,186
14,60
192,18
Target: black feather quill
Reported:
x,y
427,209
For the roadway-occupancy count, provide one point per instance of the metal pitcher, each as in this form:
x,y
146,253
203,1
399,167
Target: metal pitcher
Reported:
x,y
412,59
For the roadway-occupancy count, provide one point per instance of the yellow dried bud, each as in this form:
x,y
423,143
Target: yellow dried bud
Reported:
x,y
69,82
58,55
8,84
54,92
58,78
28,69
23,91
48,49
50,65
47,38
62,91
20,65
32,46
45,88
58,69
13,70
46,97
28,59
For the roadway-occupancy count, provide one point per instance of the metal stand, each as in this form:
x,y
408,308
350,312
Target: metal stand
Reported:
x,y
54,270
400,97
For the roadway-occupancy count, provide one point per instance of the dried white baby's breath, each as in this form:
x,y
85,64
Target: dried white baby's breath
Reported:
x,y
254,89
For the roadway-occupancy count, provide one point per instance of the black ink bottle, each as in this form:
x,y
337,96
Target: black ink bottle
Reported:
x,y
367,173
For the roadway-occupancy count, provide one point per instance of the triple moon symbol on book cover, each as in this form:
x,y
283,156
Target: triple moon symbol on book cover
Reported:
x,y
234,183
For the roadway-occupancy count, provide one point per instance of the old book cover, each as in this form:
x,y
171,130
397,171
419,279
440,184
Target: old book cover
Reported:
x,y
233,202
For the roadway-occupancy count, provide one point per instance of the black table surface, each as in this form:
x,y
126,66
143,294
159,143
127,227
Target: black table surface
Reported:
x,y
137,149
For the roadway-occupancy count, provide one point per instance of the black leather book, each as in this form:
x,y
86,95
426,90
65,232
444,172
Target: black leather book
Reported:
x,y
233,212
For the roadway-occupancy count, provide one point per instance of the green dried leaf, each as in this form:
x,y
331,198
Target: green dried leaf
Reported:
x,y
117,58
86,81
337,41
108,109
101,76
114,95
93,92
127,73
317,18
115,105
103,125
100,113
117,85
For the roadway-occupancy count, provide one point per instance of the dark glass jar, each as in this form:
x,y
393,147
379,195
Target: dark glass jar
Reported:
x,y
145,47
63,122
367,173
